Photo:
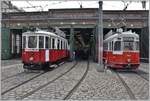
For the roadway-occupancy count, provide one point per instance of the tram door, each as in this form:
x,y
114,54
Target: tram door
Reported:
x,y
16,43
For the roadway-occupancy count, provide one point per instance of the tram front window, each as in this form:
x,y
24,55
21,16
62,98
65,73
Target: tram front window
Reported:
x,y
128,46
32,42
117,46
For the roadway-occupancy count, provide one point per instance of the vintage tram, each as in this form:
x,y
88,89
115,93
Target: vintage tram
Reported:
x,y
41,48
121,50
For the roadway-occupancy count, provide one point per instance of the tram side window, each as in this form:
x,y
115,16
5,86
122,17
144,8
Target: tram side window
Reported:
x,y
24,42
137,45
49,42
117,46
64,45
46,42
61,45
110,47
58,44
53,43
41,41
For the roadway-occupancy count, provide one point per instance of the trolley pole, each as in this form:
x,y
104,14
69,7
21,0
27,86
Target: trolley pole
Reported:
x,y
100,37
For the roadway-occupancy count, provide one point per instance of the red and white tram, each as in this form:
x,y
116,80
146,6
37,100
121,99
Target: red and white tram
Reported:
x,y
42,48
121,50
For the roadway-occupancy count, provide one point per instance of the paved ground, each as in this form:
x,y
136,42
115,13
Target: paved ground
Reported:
x,y
144,67
95,86
138,85
10,62
60,88
100,85
23,89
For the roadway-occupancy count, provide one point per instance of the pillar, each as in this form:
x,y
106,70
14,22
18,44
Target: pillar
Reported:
x,y
100,37
71,41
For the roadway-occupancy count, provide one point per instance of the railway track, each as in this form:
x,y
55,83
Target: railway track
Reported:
x,y
44,85
24,82
142,74
78,84
129,91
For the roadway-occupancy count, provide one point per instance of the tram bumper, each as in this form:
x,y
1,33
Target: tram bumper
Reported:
x,y
126,65
32,66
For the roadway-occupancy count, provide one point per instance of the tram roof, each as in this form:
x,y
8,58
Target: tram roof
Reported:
x,y
43,33
122,34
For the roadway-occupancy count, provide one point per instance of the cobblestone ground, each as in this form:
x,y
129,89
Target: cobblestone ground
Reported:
x,y
15,80
10,62
100,86
138,85
144,67
96,85
12,70
60,88
36,83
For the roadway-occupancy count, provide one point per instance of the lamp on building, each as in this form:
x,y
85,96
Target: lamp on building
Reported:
x,y
131,25
37,24
73,23
61,23
83,23
18,24
109,25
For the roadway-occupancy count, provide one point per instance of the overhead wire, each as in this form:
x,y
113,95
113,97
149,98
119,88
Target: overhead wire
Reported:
x,y
32,5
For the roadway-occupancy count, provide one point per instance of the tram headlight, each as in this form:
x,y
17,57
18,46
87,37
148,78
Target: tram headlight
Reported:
x,y
129,60
31,58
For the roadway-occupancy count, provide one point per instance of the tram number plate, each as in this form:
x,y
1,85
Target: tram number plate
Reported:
x,y
128,39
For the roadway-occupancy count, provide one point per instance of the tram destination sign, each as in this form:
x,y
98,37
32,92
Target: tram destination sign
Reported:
x,y
128,38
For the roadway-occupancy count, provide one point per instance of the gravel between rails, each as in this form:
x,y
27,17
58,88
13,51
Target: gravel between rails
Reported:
x,y
35,83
